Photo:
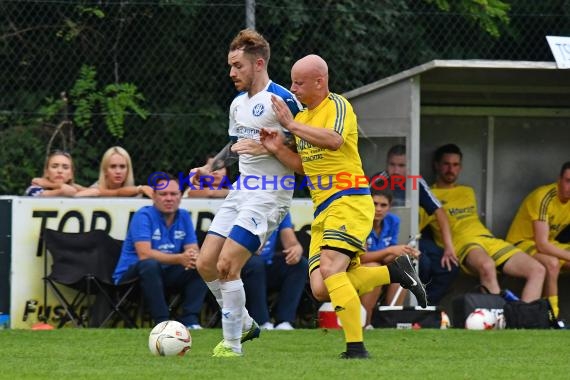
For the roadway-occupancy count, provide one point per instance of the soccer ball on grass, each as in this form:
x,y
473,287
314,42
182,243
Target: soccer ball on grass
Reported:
x,y
169,338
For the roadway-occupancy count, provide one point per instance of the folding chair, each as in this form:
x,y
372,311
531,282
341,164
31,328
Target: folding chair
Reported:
x,y
86,262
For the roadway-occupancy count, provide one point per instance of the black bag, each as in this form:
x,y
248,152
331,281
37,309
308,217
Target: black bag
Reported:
x,y
531,315
465,304
406,317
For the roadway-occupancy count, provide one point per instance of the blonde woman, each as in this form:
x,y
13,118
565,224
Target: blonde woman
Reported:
x,y
116,178
58,177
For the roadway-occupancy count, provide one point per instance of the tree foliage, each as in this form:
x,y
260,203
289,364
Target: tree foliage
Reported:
x,y
489,14
87,100
103,55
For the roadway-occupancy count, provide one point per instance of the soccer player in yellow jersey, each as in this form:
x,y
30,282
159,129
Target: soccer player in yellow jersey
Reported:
x,y
479,252
541,217
326,135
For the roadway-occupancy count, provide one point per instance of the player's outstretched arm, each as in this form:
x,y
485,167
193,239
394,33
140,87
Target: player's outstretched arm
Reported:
x,y
320,137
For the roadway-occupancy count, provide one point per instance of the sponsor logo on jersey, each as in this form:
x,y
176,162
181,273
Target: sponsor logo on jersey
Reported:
x,y
166,247
179,234
247,133
258,109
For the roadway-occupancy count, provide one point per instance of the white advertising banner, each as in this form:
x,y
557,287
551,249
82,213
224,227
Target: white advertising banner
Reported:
x,y
30,215
560,48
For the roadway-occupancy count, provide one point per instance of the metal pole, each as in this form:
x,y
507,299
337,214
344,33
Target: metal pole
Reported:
x,y
250,14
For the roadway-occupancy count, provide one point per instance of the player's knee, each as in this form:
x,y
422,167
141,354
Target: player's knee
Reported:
x,y
487,268
318,288
537,270
223,268
205,267
552,265
321,294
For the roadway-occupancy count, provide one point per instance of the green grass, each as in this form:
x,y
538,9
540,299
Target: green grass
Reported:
x,y
301,354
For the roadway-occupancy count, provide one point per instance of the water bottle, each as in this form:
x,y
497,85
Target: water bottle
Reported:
x,y
413,242
509,296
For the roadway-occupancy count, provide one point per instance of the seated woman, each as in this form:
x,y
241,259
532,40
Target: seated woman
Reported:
x,y
57,180
116,178
382,248
209,186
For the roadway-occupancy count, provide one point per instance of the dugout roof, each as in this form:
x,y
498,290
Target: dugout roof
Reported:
x,y
484,83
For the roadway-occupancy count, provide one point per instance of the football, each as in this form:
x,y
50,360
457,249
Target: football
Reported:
x,y
169,338
480,319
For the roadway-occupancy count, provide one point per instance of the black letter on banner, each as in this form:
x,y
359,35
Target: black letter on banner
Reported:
x,y
101,215
130,217
71,214
45,215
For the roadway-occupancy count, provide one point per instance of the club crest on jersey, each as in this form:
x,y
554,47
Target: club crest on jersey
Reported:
x,y
258,109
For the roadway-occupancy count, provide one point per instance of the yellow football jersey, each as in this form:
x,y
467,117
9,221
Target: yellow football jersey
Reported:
x,y
326,171
461,206
542,204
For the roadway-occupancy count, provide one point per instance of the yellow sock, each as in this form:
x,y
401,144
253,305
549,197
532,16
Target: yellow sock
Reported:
x,y
364,279
554,305
347,306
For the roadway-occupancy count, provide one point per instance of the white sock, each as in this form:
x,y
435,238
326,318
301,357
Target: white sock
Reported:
x,y
246,320
233,295
214,287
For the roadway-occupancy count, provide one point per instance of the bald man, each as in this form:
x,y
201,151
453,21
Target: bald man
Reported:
x,y
327,145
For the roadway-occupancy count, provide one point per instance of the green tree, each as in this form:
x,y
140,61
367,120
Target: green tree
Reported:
x,y
489,14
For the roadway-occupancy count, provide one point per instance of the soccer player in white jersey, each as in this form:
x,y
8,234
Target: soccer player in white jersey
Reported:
x,y
257,201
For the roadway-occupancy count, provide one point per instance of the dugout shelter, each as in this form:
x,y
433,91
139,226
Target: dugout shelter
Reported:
x,y
511,119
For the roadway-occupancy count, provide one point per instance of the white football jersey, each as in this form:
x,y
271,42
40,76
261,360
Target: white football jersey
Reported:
x,y
248,116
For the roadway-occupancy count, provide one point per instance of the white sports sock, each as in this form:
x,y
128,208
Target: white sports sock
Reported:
x,y
233,295
246,320
214,287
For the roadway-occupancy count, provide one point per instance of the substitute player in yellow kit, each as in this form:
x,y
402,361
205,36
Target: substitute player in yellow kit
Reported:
x,y
327,144
541,217
479,252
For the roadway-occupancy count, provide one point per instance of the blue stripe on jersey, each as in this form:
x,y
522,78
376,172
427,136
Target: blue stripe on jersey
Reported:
x,y
286,95
359,191
340,113
428,201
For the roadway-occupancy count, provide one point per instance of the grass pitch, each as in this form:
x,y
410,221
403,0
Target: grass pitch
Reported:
x,y
301,354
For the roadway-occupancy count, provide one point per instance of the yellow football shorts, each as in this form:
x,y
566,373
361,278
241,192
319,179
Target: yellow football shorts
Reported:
x,y
499,250
346,224
529,246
